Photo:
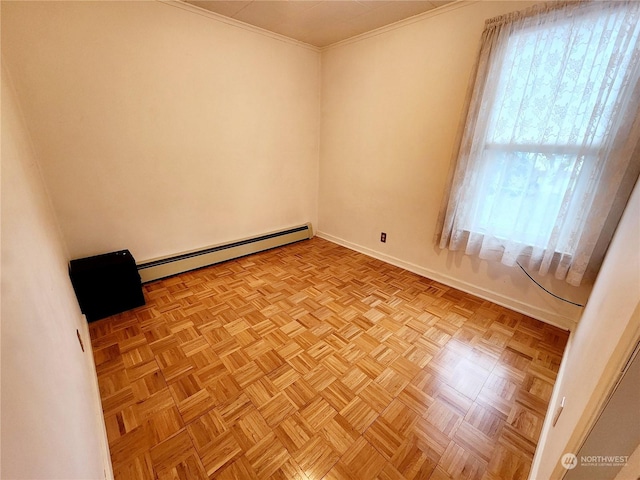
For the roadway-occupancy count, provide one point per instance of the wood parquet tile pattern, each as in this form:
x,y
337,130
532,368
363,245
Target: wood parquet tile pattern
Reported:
x,y
313,362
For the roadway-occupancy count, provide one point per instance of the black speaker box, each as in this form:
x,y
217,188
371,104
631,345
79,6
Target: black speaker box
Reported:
x,y
106,284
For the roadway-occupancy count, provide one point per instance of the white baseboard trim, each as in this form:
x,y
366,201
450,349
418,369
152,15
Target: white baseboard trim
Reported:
x,y
104,443
538,313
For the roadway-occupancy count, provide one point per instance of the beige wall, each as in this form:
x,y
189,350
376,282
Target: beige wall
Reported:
x,y
598,348
50,407
391,106
162,130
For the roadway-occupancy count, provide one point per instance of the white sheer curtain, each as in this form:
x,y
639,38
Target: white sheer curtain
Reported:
x,y
550,143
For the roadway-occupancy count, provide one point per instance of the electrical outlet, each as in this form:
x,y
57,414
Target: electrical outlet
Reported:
x,y
383,237
558,411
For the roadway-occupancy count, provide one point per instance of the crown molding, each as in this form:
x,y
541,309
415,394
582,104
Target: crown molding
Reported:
x,y
236,23
402,23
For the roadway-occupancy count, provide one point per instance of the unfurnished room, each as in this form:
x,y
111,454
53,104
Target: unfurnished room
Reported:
x,y
320,240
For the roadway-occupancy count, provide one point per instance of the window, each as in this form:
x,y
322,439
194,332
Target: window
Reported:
x,y
549,137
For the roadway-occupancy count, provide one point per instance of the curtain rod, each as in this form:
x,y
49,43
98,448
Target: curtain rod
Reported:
x,y
546,7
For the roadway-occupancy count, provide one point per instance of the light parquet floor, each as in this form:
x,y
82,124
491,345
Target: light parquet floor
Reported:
x,y
312,361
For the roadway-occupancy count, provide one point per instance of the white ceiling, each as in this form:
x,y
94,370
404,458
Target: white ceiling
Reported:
x,y
318,22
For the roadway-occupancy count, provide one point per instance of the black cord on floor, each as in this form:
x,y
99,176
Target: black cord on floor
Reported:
x,y
550,293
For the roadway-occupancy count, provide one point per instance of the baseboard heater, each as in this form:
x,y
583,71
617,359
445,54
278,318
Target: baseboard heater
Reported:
x,y
184,262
